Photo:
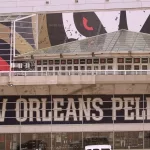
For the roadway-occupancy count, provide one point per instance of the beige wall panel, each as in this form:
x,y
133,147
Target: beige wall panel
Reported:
x,y
5,36
97,89
33,90
66,89
43,33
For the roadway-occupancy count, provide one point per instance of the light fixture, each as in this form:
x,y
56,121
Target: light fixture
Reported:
x,y
47,2
93,54
10,84
129,52
61,56
32,57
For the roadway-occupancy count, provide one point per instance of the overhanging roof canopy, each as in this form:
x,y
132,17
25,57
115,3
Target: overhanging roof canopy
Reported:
x,y
115,42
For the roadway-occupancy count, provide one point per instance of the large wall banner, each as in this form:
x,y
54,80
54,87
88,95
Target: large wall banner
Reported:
x,y
74,109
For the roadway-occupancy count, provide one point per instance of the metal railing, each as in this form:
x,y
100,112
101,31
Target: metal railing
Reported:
x,y
74,72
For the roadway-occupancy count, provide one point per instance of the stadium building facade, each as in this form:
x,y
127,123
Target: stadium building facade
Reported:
x,y
88,91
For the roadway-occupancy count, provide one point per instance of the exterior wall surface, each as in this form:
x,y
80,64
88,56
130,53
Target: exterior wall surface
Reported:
x,y
59,28
73,113
73,79
32,6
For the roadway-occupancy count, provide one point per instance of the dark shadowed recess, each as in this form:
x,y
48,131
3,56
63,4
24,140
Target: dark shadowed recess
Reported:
x,y
123,21
146,26
146,29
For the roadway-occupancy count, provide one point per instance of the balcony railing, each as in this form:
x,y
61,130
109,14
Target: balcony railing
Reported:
x,y
75,72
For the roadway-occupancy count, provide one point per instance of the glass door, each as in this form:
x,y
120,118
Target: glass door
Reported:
x,y
103,68
137,65
144,68
63,70
96,65
76,68
82,68
57,68
109,68
89,65
50,72
89,68
44,70
69,68
136,68
120,69
128,67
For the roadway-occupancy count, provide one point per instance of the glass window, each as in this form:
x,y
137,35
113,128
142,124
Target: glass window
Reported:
x,y
110,67
97,138
76,61
82,61
38,62
44,62
136,60
128,140
57,68
147,139
103,60
63,68
144,60
57,62
82,67
95,67
44,68
38,68
120,60
144,67
127,67
89,61
50,68
63,62
50,62
69,61
120,67
69,67
109,60
136,67
75,67
96,61
128,60
2,142
89,67
102,67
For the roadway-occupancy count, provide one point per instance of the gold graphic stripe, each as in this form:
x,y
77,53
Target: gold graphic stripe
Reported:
x,y
43,32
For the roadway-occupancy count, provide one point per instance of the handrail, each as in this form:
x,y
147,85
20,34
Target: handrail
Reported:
x,y
74,72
